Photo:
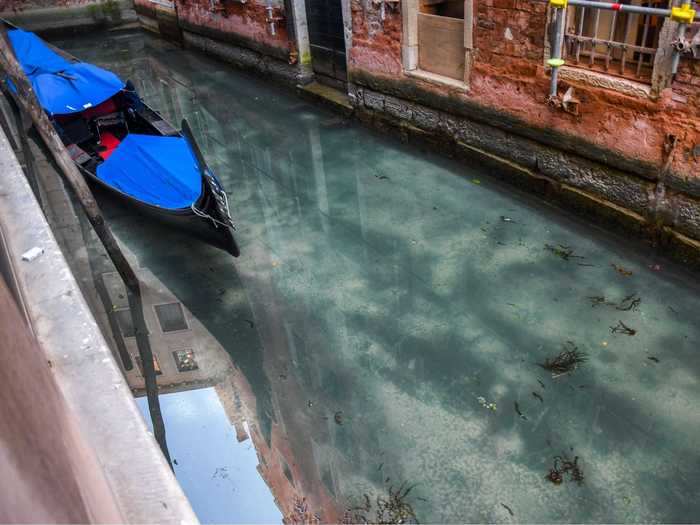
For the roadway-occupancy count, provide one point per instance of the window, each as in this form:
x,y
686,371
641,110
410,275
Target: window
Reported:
x,y
614,42
171,317
185,360
438,39
441,37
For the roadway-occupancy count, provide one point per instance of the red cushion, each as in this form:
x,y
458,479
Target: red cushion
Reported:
x,y
110,142
107,107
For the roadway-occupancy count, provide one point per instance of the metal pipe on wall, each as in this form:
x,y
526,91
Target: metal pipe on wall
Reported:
x,y
556,61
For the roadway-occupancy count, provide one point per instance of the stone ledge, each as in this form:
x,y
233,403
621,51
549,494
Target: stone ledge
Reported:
x,y
60,20
247,59
81,362
621,200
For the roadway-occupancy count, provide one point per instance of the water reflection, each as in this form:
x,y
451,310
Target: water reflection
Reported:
x,y
214,459
383,293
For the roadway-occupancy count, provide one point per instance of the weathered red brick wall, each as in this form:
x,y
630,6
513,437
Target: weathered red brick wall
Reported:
x,y
376,44
241,23
508,75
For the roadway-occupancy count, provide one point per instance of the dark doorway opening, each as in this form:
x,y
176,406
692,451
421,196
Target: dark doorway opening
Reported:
x,y
325,21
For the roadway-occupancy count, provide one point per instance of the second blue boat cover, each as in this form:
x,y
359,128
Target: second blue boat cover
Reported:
x,y
156,170
62,87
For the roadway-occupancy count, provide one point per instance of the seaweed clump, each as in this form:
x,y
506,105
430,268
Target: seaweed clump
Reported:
x,y
622,328
562,251
628,304
388,509
565,362
562,466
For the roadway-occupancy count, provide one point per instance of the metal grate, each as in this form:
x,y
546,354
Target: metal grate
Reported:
x,y
171,317
615,42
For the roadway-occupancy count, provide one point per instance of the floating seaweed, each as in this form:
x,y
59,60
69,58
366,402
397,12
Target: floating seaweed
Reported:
x,y
510,511
621,270
597,300
482,401
629,303
562,251
388,509
563,465
566,362
622,328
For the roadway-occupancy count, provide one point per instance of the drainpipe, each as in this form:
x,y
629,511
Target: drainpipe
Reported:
x,y
684,15
555,62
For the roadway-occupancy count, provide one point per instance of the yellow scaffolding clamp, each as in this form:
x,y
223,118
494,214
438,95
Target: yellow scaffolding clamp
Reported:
x,y
558,4
683,14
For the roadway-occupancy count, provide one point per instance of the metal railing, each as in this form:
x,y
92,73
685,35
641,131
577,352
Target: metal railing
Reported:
x,y
619,43
683,15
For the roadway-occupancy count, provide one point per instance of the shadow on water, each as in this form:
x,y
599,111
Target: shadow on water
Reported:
x,y
390,308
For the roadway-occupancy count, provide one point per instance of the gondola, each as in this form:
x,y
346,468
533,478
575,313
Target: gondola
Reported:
x,y
122,145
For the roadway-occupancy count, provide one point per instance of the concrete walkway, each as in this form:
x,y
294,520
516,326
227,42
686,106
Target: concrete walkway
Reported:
x,y
141,482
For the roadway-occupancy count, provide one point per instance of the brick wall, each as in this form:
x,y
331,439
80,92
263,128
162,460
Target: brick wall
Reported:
x,y
508,77
240,23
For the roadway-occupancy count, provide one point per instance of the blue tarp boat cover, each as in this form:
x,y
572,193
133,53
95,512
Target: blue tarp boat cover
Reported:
x,y
62,87
157,170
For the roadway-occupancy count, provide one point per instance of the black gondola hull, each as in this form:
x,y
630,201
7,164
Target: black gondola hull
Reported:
x,y
185,219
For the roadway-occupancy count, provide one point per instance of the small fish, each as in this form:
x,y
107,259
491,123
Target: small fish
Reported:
x,y
541,384
655,359
538,397
517,410
510,511
251,323
507,219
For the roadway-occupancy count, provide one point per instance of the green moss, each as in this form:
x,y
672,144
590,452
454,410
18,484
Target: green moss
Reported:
x,y
107,9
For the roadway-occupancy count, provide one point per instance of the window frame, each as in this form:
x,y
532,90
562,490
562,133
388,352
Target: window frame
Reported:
x,y
410,52
661,74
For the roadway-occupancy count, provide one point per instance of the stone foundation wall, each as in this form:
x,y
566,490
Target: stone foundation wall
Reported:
x,y
649,204
67,15
249,60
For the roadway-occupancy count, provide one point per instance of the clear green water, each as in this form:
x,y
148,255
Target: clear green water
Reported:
x,y
384,285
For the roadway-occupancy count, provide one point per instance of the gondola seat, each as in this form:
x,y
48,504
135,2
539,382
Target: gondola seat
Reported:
x,y
109,142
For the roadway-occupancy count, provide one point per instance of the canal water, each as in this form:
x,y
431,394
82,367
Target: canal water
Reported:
x,y
387,320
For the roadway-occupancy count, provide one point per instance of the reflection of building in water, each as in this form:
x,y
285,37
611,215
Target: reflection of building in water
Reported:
x,y
293,407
